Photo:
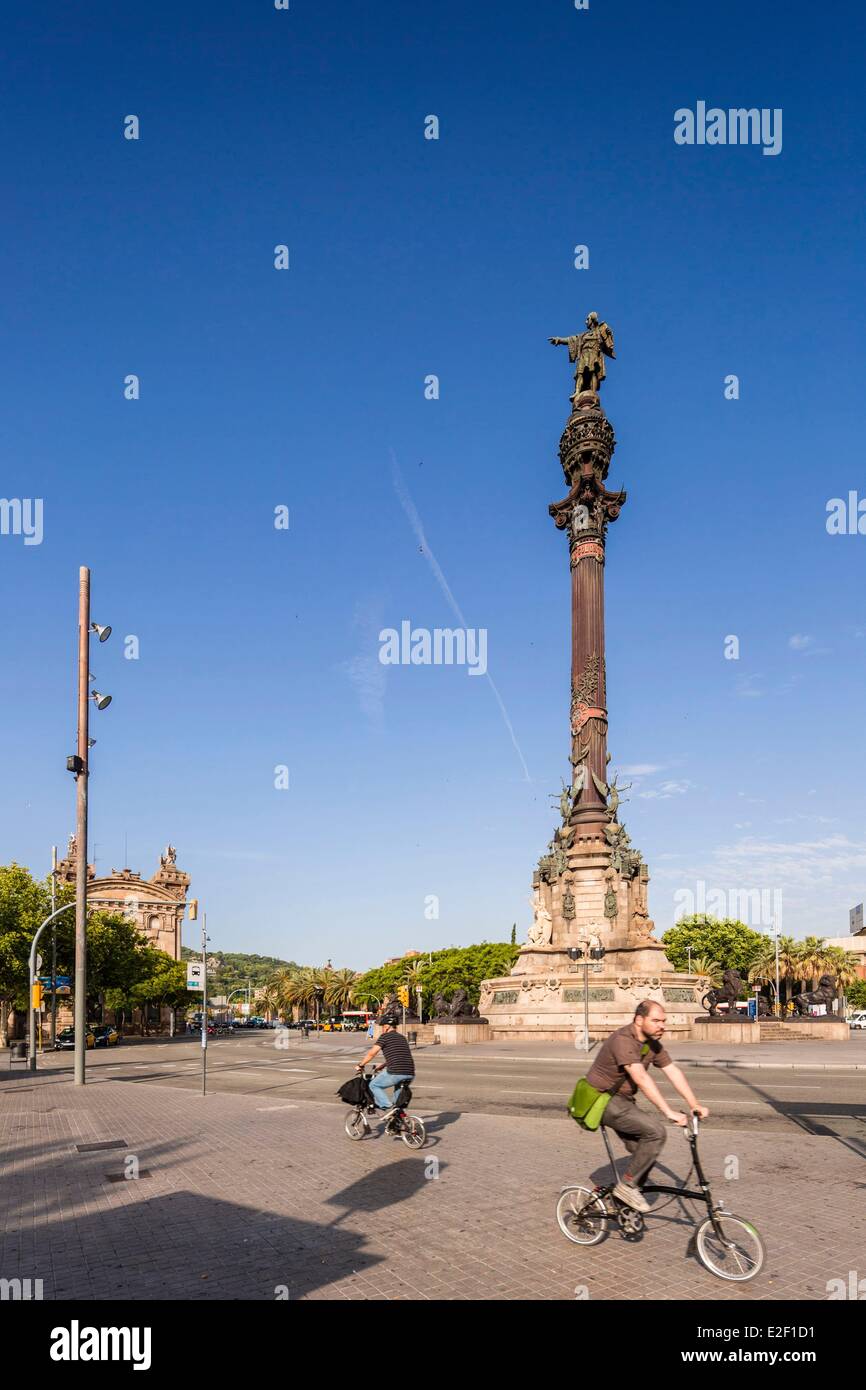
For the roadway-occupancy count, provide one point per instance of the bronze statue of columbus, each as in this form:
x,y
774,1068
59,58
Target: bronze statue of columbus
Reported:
x,y
588,350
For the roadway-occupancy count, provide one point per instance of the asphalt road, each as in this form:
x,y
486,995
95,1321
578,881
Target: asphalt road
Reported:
x,y
470,1079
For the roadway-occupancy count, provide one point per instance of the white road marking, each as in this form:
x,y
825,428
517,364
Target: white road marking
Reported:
x,y
262,1109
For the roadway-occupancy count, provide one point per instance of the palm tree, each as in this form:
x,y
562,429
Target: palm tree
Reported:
x,y
266,999
340,987
763,967
414,977
707,969
843,964
295,990
810,956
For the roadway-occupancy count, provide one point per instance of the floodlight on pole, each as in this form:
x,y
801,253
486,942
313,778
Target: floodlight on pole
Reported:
x,y
103,633
101,701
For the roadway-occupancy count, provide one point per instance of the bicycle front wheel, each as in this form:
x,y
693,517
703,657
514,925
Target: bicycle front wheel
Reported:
x,y
581,1216
356,1125
413,1132
738,1255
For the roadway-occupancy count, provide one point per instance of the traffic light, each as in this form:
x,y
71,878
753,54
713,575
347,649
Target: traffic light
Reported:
x,y
403,995
36,999
193,909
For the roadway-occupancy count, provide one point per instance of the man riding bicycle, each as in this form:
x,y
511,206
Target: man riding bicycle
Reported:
x,y
399,1063
622,1068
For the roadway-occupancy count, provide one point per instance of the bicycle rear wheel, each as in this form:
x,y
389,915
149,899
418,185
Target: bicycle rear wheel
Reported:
x,y
413,1132
738,1256
581,1216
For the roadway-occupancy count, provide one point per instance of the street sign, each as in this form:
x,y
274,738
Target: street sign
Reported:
x,y
63,984
194,975
855,919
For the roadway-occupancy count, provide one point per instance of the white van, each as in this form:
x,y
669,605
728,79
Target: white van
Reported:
x,y
858,1019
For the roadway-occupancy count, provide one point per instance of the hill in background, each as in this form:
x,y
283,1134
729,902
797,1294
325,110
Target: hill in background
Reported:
x,y
229,970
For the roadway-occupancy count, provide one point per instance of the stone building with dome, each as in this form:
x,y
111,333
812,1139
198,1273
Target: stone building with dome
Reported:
x,y
156,905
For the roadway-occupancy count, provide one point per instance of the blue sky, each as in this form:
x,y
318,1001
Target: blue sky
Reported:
x,y
305,387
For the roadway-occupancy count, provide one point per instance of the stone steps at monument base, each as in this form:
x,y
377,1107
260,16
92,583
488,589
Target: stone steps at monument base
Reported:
x,y
784,1032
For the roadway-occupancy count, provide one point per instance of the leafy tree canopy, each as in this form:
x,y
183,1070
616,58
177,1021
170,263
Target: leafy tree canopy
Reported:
x,y
731,943
446,971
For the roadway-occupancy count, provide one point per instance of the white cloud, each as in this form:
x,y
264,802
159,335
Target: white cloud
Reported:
x,y
800,642
666,790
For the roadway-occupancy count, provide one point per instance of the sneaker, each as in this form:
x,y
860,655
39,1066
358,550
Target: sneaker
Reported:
x,y
631,1196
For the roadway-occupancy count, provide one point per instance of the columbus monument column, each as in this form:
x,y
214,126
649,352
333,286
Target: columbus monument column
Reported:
x,y
590,886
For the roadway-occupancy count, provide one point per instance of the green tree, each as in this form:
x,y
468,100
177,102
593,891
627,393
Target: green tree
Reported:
x,y
857,994
339,990
162,985
810,955
514,934
25,902
731,943
844,965
708,970
448,970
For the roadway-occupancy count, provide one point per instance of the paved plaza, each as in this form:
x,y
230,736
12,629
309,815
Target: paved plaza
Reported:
x,y
258,1194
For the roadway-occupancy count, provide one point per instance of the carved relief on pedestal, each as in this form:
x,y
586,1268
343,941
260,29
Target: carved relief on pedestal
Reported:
x,y
640,986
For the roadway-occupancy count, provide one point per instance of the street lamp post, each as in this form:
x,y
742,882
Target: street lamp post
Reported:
x,y
204,1004
583,954
776,935
80,1011
53,1034
32,980
78,764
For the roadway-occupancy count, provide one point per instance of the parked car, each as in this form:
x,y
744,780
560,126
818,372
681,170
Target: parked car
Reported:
x,y
105,1035
857,1019
65,1040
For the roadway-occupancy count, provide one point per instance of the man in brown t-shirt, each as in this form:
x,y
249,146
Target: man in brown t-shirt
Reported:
x,y
622,1068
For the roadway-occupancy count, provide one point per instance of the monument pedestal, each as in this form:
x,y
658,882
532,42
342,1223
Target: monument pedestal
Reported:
x,y
550,1005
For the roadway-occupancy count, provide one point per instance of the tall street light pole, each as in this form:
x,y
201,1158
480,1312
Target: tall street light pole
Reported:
x,y
32,981
80,1013
79,764
53,1037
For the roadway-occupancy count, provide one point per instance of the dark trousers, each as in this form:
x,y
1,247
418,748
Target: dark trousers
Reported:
x,y
642,1133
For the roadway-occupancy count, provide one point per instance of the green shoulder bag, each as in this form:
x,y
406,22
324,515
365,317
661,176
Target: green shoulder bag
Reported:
x,y
587,1105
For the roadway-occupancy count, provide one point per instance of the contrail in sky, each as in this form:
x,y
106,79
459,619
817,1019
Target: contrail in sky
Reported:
x,y
415,522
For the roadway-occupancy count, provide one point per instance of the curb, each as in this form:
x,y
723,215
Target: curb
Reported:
x,y
776,1066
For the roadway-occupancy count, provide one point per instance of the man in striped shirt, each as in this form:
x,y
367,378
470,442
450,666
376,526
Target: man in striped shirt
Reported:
x,y
399,1062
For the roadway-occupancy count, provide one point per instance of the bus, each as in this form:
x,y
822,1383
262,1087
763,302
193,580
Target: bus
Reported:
x,y
357,1020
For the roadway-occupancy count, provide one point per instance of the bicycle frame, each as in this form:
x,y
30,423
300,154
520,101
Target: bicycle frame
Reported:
x,y
704,1195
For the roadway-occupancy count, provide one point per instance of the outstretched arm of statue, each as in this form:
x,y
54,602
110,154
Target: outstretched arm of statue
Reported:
x,y
558,342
